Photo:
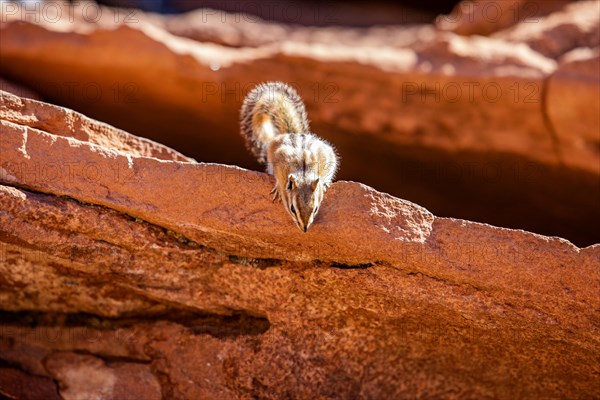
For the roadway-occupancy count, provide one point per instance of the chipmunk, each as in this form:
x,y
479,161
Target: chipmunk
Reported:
x,y
275,127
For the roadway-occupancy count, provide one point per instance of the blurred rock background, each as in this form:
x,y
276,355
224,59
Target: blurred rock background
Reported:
x,y
314,13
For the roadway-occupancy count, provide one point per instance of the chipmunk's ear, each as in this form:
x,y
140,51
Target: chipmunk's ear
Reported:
x,y
291,182
315,184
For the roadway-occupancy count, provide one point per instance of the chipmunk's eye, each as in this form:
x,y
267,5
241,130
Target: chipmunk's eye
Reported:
x,y
290,185
316,210
292,209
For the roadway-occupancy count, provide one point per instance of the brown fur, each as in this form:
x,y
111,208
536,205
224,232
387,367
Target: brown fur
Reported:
x,y
275,127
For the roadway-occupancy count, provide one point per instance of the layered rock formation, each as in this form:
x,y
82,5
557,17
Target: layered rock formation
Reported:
x,y
129,269
166,277
472,127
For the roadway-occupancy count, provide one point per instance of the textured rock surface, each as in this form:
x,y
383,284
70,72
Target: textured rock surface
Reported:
x,y
86,376
460,125
63,122
128,269
15,384
206,290
136,185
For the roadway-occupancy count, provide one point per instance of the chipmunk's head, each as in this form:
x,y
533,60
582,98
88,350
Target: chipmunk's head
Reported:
x,y
303,199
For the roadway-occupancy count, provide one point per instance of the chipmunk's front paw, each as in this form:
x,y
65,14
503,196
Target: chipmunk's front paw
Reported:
x,y
275,193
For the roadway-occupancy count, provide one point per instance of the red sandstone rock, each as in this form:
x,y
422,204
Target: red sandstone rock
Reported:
x,y
64,122
100,175
577,25
129,269
241,30
483,17
573,102
15,384
457,124
216,295
85,376
416,93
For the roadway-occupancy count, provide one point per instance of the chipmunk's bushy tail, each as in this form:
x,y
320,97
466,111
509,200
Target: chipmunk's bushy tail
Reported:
x,y
271,109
